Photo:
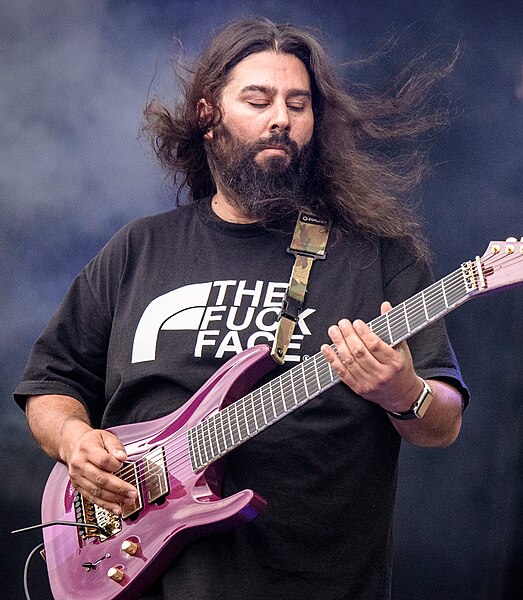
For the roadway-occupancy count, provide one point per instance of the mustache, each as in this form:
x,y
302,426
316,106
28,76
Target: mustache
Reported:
x,y
280,139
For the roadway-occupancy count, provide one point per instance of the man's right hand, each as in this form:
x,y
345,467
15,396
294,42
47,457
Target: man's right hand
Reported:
x,y
92,457
61,426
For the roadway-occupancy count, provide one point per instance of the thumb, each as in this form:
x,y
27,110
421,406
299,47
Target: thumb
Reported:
x,y
114,446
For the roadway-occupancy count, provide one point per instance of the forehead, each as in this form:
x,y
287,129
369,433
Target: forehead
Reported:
x,y
280,71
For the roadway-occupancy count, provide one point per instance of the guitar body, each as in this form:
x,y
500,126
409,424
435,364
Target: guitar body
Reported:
x,y
78,568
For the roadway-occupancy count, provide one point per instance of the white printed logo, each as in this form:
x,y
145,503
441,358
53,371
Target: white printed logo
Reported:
x,y
219,311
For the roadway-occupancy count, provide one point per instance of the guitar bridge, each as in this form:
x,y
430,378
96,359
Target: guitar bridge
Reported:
x,y
99,523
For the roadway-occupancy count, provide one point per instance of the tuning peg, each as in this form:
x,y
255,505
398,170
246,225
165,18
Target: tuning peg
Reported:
x,y
512,239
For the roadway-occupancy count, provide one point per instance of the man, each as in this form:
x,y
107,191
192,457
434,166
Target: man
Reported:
x,y
264,130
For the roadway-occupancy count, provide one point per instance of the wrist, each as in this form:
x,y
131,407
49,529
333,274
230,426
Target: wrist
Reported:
x,y
420,406
72,429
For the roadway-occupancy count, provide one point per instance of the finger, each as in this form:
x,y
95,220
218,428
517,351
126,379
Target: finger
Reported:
x,y
353,349
105,490
385,307
337,365
381,352
340,357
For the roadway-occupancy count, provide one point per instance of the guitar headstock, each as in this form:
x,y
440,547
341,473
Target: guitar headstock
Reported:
x,y
500,266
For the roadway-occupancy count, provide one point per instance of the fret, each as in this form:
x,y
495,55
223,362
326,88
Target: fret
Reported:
x,y
316,373
199,442
190,439
331,372
304,380
443,292
397,324
422,294
416,314
382,328
214,436
301,387
282,394
457,289
237,421
404,306
245,413
435,303
229,424
222,427
387,320
262,402
205,425
244,429
256,427
293,389
325,373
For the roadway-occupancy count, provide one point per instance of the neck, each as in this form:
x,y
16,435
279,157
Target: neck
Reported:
x,y
227,211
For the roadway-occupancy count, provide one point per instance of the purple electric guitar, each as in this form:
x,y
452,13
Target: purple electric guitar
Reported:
x,y
174,461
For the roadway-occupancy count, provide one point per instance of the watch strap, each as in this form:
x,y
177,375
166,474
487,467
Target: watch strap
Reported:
x,y
419,408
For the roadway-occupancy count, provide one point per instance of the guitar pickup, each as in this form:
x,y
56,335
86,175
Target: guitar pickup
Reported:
x,y
129,473
155,474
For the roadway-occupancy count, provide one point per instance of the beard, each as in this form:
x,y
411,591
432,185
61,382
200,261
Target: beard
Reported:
x,y
265,190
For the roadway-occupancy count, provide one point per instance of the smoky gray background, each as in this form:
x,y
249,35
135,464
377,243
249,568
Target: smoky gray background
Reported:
x,y
74,78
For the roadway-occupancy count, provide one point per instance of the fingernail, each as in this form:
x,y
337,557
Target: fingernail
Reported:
x,y
131,494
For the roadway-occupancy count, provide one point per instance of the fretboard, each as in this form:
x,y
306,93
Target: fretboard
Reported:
x,y
238,422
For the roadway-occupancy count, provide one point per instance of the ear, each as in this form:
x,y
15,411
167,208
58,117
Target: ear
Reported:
x,y
205,116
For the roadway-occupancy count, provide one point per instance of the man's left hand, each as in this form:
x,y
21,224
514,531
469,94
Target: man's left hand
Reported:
x,y
370,367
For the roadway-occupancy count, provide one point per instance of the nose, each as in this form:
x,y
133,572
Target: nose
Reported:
x,y
279,118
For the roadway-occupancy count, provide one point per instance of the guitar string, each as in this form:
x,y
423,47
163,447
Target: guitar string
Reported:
x,y
426,296
438,289
179,442
254,417
253,414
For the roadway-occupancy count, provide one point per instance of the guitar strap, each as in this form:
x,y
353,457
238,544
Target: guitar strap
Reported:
x,y
308,244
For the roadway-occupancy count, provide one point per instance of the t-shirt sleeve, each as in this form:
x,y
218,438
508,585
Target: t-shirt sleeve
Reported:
x,y
69,358
432,352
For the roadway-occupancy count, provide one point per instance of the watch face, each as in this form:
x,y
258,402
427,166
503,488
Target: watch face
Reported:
x,y
423,402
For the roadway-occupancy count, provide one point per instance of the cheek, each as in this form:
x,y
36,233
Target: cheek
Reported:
x,y
303,133
245,126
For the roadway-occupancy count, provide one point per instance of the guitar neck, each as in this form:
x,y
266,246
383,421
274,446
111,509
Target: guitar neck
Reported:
x,y
225,430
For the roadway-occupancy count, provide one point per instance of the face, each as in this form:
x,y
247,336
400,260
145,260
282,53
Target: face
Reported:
x,y
268,97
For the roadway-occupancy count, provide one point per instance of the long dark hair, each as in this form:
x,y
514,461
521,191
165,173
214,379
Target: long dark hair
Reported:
x,y
364,160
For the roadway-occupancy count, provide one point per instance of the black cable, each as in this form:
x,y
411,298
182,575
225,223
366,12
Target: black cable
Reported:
x,y
26,569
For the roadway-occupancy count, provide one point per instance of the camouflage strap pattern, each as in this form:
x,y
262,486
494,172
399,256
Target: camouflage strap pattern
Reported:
x,y
308,244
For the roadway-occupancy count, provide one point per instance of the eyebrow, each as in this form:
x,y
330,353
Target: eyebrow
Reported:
x,y
272,91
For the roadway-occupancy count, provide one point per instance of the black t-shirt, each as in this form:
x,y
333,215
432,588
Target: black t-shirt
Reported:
x,y
171,298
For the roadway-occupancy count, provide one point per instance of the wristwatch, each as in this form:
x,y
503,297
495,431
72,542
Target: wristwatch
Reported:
x,y
419,408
